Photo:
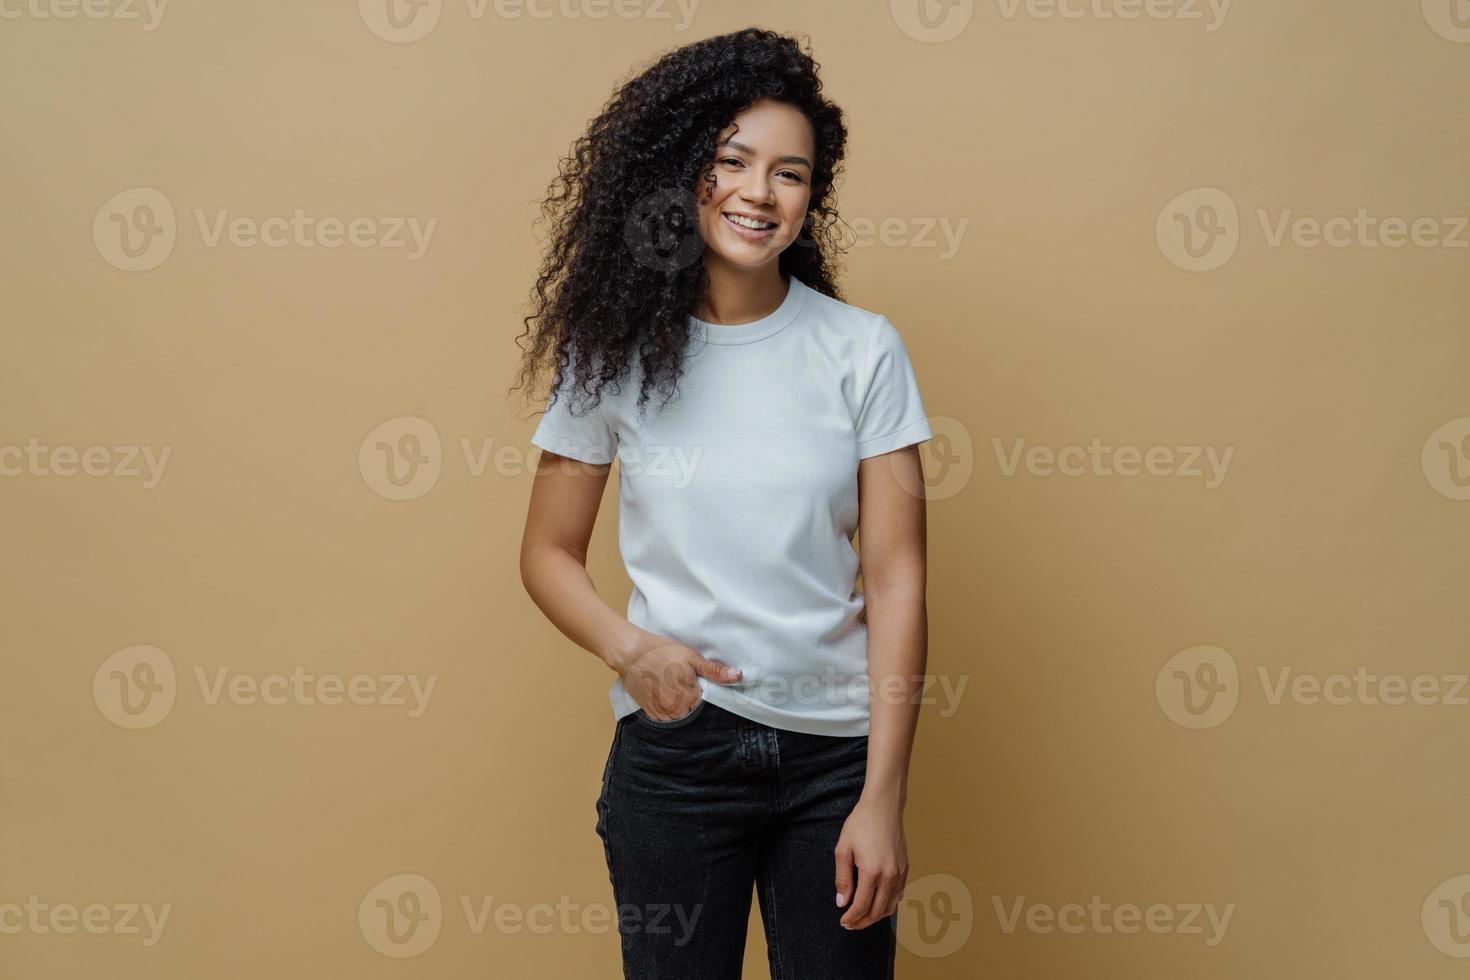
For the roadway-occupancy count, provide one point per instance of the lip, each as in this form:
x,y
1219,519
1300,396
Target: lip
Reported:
x,y
749,234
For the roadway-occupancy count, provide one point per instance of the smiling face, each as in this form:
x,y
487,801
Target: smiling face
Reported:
x,y
763,171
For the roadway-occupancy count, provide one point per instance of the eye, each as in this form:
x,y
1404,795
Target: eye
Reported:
x,y
736,161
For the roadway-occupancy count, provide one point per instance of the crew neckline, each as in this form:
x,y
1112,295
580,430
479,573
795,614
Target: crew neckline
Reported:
x,y
725,334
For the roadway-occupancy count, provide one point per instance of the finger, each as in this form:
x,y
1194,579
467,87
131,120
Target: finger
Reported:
x,y
903,886
687,702
883,898
716,671
862,902
844,875
875,911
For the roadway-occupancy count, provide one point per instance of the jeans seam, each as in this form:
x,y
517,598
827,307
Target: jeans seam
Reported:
x,y
778,969
773,941
778,786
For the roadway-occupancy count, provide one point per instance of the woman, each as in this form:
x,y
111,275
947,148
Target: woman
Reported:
x,y
765,711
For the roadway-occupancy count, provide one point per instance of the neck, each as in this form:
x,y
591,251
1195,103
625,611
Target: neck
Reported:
x,y
739,296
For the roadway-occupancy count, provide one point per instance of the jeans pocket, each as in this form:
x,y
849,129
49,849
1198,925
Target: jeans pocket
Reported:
x,y
643,718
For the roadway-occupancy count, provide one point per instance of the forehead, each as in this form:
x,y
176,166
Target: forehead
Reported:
x,y
770,127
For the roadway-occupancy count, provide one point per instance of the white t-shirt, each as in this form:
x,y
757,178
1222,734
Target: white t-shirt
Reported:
x,y
738,500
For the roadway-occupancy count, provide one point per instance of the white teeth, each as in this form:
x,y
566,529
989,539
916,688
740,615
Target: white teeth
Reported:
x,y
750,222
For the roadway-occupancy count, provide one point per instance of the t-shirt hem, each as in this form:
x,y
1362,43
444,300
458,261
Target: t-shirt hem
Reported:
x,y
736,703
567,446
915,431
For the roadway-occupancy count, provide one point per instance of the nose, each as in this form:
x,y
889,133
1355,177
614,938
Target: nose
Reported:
x,y
757,188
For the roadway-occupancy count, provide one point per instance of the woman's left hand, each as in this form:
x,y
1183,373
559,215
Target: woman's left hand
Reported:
x,y
871,844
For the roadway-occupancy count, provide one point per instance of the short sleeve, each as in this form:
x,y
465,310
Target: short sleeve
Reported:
x,y
892,413
582,433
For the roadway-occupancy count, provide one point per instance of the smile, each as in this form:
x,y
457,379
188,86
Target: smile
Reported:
x,y
748,224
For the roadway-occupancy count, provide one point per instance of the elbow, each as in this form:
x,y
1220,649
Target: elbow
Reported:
x,y
903,580
895,595
528,569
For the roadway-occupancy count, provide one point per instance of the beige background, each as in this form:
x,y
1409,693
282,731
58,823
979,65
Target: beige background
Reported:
x,y
1072,765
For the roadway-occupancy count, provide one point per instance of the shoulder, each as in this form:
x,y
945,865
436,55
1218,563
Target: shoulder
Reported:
x,y
863,332
849,314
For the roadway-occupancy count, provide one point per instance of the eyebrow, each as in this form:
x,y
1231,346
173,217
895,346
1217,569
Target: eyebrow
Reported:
x,y
733,144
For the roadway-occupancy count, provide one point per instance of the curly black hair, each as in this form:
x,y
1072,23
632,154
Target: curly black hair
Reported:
x,y
622,272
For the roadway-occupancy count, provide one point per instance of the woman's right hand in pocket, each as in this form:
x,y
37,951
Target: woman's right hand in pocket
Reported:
x,y
661,675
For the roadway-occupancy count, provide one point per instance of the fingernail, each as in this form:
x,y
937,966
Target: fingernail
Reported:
x,y
734,671
841,900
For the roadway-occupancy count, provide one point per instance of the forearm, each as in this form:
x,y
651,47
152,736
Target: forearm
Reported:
x,y
558,583
897,655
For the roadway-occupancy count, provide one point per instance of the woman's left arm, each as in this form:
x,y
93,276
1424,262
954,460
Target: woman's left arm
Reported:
x,y
891,539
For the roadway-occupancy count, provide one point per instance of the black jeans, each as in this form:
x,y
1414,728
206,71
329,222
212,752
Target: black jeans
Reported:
x,y
694,812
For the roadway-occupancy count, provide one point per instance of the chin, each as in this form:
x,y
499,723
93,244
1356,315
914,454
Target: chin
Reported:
x,y
749,264
745,258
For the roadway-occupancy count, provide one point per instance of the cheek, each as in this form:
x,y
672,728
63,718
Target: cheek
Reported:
x,y
794,210
707,210
709,222
718,189
711,198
